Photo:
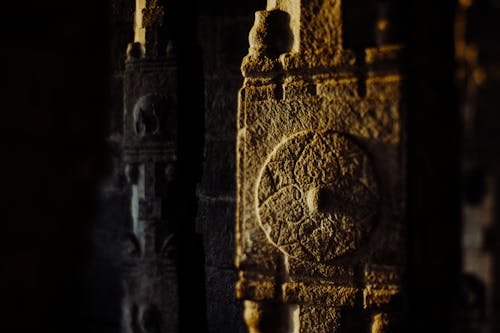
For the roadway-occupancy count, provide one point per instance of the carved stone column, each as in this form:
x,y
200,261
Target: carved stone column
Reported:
x,y
150,154
320,176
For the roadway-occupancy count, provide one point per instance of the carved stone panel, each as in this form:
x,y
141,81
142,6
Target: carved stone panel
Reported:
x,y
320,175
151,295
317,195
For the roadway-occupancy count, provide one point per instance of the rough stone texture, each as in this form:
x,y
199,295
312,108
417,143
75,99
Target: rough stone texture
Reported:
x,y
309,186
319,172
149,147
224,311
150,277
330,319
223,40
219,234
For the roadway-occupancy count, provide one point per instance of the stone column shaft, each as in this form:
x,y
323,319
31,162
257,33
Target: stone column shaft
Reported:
x,y
320,176
150,155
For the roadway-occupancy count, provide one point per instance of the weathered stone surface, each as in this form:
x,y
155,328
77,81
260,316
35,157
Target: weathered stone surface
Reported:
x,y
221,100
219,168
149,146
321,295
223,40
225,311
219,234
319,172
317,183
330,319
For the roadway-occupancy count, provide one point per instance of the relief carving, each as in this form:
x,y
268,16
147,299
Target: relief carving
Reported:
x,y
150,114
314,211
271,34
150,278
317,196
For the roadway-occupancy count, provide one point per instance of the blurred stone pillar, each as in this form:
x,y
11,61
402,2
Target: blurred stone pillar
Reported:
x,y
320,176
150,154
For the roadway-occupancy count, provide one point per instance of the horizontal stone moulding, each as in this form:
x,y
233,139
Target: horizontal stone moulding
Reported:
x,y
376,297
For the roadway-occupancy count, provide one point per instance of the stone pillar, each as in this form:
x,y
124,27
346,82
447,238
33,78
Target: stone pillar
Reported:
x,y
320,176
150,154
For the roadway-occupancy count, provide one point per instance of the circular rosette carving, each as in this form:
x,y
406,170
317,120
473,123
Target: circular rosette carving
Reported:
x,y
317,196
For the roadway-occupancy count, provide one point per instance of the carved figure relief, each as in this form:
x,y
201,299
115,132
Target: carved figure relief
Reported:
x,y
149,116
317,196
